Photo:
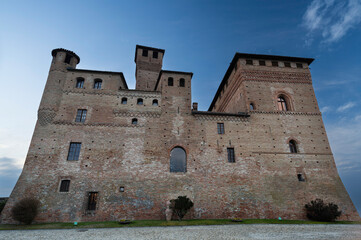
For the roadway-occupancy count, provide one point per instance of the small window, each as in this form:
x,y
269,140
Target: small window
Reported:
x,y
262,63
74,151
64,186
251,106
299,65
182,82
134,121
170,81
220,128
81,115
178,160
145,53
300,177
274,63
92,200
67,58
140,101
79,82
124,100
155,54
98,84
287,64
249,62
155,102
121,189
230,152
282,104
293,146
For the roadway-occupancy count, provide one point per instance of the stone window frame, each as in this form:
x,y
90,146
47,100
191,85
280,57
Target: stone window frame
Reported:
x,y
231,154
80,82
135,121
74,151
253,108
220,128
98,83
61,186
288,99
94,206
293,146
140,101
155,54
81,115
186,158
155,102
67,58
124,101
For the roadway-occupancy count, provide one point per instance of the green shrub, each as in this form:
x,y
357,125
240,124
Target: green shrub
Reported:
x,y
181,205
319,211
25,210
2,205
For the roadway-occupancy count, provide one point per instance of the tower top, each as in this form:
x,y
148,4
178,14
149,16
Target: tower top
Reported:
x,y
146,48
73,54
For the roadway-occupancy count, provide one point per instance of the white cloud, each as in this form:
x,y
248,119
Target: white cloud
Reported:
x,y
333,19
345,107
325,109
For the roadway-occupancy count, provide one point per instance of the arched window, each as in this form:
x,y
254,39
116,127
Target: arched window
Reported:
x,y
98,83
178,160
140,101
293,146
124,100
182,82
170,81
155,102
134,121
282,103
79,82
251,107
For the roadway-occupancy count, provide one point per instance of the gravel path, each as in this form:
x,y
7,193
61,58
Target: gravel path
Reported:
x,y
256,231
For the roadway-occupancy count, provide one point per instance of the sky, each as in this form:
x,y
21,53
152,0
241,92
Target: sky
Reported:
x,y
198,36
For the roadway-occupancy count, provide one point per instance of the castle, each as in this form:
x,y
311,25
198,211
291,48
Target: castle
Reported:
x,y
101,151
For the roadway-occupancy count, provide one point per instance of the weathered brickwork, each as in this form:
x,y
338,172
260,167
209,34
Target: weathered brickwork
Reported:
x,y
126,146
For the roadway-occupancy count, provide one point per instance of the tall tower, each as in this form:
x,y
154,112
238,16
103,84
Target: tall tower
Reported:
x,y
62,60
148,65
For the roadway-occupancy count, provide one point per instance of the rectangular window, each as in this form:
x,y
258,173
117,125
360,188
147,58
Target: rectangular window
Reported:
x,y
249,62
67,59
145,53
275,64
287,64
81,115
92,200
74,151
64,185
262,63
155,54
230,152
300,177
220,128
299,65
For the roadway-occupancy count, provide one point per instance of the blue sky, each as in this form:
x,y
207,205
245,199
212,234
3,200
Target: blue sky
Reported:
x,y
198,36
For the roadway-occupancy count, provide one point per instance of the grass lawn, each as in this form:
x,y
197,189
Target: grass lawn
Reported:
x,y
160,223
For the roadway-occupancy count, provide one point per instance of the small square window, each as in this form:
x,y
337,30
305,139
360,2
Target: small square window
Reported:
x,y
155,54
81,115
230,152
97,84
121,189
64,186
299,65
300,177
262,63
145,53
79,83
274,63
249,62
220,128
287,64
170,81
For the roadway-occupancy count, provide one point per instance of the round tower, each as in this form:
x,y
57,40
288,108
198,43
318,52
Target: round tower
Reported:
x,y
62,60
